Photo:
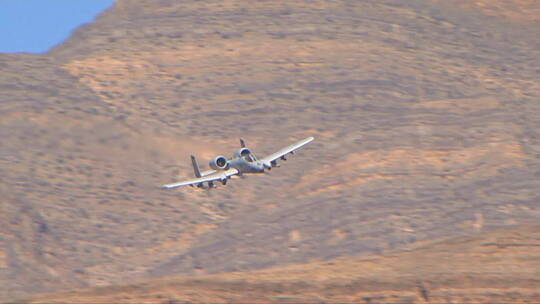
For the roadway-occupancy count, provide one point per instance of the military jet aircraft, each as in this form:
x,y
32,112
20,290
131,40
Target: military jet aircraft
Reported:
x,y
243,161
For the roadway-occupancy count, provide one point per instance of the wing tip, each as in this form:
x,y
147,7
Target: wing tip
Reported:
x,y
168,186
309,139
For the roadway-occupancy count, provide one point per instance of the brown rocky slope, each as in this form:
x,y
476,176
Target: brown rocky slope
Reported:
x,y
481,268
425,114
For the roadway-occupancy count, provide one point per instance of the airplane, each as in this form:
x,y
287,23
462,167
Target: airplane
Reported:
x,y
243,161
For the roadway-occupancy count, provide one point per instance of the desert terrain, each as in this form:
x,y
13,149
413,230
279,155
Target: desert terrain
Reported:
x,y
421,186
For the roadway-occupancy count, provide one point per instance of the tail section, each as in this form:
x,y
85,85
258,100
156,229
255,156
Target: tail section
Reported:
x,y
195,166
242,143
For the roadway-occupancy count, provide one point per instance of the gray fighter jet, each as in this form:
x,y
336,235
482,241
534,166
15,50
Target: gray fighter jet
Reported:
x,y
243,161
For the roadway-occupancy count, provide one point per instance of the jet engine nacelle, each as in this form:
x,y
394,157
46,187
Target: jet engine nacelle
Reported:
x,y
219,163
242,152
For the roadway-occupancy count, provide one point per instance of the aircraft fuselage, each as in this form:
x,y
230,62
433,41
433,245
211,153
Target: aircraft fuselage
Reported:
x,y
244,166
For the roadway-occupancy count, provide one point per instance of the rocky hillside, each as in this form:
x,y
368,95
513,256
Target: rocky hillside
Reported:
x,y
425,114
482,268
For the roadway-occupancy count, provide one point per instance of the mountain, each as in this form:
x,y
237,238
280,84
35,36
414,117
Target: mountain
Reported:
x,y
425,114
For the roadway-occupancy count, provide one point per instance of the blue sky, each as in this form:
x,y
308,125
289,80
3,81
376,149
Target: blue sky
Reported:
x,y
37,25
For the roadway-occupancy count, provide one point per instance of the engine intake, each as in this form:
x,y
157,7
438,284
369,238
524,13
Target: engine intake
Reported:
x,y
219,163
242,152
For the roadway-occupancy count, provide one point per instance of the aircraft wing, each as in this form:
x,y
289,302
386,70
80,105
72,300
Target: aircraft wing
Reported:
x,y
215,176
291,148
208,172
